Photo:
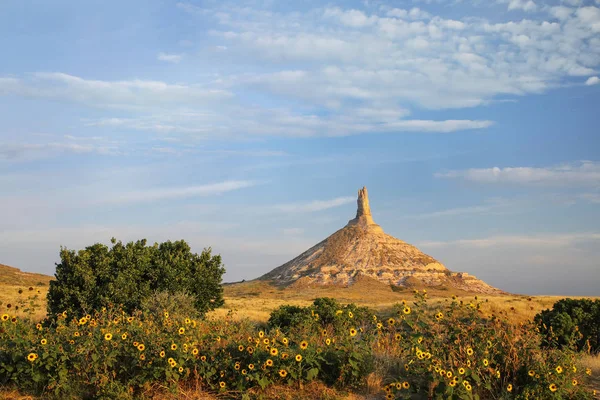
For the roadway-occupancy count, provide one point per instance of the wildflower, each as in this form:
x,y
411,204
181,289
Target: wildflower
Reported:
x,y
285,341
250,367
284,356
397,336
203,358
241,348
162,354
485,362
124,336
76,334
324,332
531,372
135,344
509,387
352,332
406,310
350,314
261,334
439,316
180,369
173,346
298,357
181,330
32,357
188,321
449,374
142,357
166,313
574,382
452,383
470,351
303,345
43,342
141,347
282,373
250,350
222,384
405,385
588,371
82,321
274,351
130,319
327,341
266,341
37,326
468,387
461,371
269,363
237,366
195,352
244,372
559,370
391,321
553,387
108,336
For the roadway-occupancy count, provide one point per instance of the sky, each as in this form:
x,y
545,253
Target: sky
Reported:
x,y
249,126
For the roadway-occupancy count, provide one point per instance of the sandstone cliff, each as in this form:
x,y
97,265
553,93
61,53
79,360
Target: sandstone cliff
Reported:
x,y
362,248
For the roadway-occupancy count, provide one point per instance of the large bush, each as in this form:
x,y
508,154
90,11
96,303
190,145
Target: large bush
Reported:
x,y
97,276
571,320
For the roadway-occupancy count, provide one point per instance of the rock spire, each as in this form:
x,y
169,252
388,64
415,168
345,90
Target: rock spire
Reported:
x,y
364,219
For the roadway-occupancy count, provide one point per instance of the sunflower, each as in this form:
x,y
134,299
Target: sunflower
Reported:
x,y
142,357
250,367
240,348
391,321
468,387
76,334
285,341
327,341
222,384
485,362
553,387
379,325
31,357
439,316
298,357
261,334
398,385
162,354
588,371
250,350
82,321
452,383
130,319
282,373
188,321
559,370
141,347
470,351
266,341
405,385
181,330
124,336
303,345
203,358
324,332
274,352
390,396
195,352
269,363
574,382
37,326
449,374
509,387
531,372
173,346
353,332
108,336
574,369
350,314
406,310
397,336
237,366
43,342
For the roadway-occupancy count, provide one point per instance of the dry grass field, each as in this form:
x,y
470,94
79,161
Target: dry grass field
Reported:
x,y
255,300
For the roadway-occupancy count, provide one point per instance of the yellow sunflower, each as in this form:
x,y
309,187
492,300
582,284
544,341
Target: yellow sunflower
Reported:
x,y
405,385
559,370
43,342
181,330
509,387
406,310
250,367
282,373
269,363
353,332
303,345
141,347
173,346
553,387
298,357
222,384
470,351
274,352
108,336
31,357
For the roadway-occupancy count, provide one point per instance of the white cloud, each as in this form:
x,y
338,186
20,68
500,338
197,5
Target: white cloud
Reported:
x,y
584,173
540,240
150,195
28,151
122,94
317,205
593,80
525,5
172,58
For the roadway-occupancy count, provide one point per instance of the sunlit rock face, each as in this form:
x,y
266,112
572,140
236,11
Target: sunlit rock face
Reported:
x,y
362,248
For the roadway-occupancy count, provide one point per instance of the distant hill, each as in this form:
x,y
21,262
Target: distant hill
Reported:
x,y
14,276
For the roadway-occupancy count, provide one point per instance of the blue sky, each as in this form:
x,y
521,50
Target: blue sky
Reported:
x,y
249,126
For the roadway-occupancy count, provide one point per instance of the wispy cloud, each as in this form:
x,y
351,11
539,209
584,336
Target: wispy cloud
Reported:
x,y
541,240
172,58
150,195
28,151
584,173
125,94
317,205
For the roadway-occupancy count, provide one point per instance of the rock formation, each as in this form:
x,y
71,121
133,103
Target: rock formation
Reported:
x,y
362,248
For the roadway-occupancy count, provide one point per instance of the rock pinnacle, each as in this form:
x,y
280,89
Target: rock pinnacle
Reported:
x,y
363,213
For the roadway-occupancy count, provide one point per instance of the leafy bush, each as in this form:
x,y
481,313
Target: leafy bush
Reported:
x,y
97,276
571,320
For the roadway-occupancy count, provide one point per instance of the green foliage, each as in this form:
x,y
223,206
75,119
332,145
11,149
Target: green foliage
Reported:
x,y
571,321
97,276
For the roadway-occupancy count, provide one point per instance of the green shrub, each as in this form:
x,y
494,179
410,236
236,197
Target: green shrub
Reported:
x,y
97,276
571,321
